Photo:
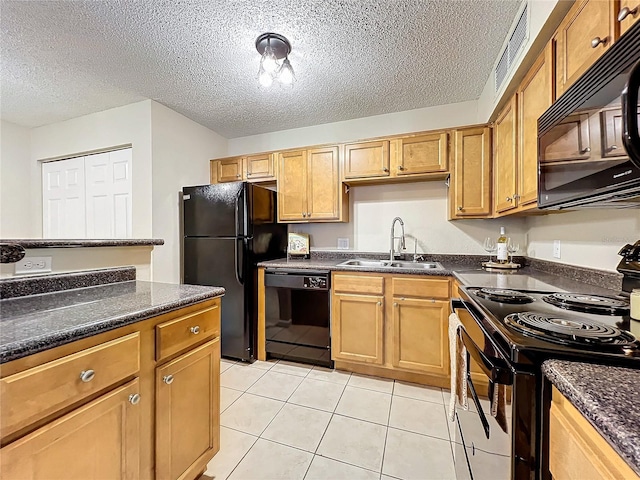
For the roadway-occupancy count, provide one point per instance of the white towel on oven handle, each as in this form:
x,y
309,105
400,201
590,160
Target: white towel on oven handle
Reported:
x,y
458,357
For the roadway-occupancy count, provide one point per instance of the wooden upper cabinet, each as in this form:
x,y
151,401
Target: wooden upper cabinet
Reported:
x,y
629,13
292,186
584,35
470,188
505,158
230,169
421,154
99,440
611,129
188,412
420,339
260,167
324,187
569,140
535,96
366,160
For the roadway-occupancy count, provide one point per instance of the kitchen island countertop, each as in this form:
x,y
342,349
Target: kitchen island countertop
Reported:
x,y
608,397
35,323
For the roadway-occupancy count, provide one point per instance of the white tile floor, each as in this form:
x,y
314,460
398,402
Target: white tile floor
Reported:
x,y
288,421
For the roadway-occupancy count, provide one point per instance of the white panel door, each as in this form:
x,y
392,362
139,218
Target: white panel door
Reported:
x,y
108,194
63,199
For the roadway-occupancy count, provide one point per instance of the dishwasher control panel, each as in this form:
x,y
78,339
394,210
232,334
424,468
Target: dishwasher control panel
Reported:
x,y
315,282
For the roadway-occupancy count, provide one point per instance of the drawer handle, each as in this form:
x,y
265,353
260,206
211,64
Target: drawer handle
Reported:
x,y
195,330
625,12
168,379
87,375
597,41
134,398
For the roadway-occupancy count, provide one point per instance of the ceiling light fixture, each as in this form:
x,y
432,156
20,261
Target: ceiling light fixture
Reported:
x,y
274,47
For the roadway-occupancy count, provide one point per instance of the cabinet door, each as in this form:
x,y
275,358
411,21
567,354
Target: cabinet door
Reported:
x,y
357,329
230,170
260,167
584,35
292,186
534,98
570,140
505,158
611,127
471,186
630,14
188,412
422,154
98,440
323,197
366,160
420,341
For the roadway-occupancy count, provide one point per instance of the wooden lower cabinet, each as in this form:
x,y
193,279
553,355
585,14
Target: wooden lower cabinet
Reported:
x,y
420,335
391,326
577,451
188,412
357,328
98,440
138,402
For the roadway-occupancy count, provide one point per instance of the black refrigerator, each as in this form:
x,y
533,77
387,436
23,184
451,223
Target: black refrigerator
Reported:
x,y
228,228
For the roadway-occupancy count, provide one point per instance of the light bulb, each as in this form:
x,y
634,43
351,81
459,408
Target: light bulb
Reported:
x,y
265,78
285,75
269,61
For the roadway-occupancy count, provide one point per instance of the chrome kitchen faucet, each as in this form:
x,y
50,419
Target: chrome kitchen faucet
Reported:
x,y
402,242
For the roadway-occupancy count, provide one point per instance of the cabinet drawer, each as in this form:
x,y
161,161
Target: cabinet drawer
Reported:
x,y
359,284
31,395
420,287
183,332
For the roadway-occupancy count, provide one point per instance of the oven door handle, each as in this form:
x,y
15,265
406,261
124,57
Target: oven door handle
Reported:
x,y
476,401
492,367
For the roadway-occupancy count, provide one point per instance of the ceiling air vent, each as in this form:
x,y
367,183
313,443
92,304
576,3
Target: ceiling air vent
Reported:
x,y
518,36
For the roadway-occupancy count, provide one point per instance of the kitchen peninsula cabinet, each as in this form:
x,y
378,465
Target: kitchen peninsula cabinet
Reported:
x,y
139,401
393,326
309,188
576,450
470,183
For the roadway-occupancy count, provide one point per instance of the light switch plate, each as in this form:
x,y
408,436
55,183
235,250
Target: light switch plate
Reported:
x,y
556,249
31,265
343,243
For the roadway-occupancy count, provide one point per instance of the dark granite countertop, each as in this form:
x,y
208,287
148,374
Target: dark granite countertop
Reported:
x,y
466,269
70,243
35,323
608,397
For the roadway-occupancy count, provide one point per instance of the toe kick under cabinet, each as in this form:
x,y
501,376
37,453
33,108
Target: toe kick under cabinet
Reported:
x,y
138,402
392,326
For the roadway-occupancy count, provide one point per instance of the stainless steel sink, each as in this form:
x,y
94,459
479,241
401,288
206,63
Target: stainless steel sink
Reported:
x,y
393,265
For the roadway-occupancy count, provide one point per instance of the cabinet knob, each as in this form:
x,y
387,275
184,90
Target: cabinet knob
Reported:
x,y
509,199
400,167
308,214
195,330
87,375
238,175
597,41
168,379
612,148
304,215
379,304
134,398
248,174
385,169
625,12
395,304
516,196
459,208
585,150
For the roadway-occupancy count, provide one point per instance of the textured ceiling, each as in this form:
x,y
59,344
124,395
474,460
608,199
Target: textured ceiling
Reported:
x,y
352,58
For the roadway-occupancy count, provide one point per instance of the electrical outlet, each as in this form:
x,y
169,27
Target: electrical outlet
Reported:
x,y
556,249
343,243
33,265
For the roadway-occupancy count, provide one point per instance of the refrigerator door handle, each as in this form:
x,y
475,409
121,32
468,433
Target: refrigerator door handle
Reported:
x,y
237,212
239,264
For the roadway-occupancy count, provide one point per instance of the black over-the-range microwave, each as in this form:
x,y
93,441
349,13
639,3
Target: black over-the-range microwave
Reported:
x,y
588,141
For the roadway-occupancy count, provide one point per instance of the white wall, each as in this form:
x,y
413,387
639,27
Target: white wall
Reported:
x,y
429,118
127,125
181,150
15,182
423,208
588,238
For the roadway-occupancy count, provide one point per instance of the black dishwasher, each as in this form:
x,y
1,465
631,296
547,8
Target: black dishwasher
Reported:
x,y
297,315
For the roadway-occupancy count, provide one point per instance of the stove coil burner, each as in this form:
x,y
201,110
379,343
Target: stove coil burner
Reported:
x,y
504,296
572,332
588,303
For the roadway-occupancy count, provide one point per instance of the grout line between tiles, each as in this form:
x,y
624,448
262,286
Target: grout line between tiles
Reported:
x,y
245,453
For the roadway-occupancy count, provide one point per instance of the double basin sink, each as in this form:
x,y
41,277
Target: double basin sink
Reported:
x,y
395,264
